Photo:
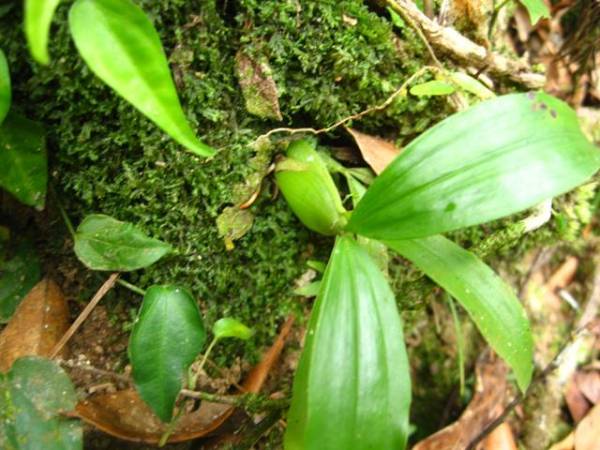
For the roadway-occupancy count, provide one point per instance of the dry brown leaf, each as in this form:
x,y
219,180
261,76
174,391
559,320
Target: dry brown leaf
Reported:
x,y
587,436
487,403
588,383
563,275
377,152
125,415
501,438
258,87
576,402
37,325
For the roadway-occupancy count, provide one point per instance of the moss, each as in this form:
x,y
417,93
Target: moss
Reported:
x,y
106,157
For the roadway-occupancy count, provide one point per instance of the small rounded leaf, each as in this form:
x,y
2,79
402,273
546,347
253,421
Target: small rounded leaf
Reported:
x,y
229,327
430,88
104,243
167,337
309,189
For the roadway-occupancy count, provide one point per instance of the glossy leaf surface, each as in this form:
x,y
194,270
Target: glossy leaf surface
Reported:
x,y
537,10
166,338
489,301
38,17
5,87
32,396
104,243
497,158
17,276
352,386
308,188
23,160
229,327
120,45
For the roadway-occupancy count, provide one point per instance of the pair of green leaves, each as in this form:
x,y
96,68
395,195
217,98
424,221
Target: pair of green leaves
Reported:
x,y
120,45
33,395
169,332
495,159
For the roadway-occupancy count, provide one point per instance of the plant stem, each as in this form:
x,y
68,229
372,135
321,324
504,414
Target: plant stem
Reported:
x,y
459,344
64,215
193,377
131,287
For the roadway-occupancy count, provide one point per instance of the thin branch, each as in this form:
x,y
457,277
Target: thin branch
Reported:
x,y
463,49
107,286
250,402
82,366
400,91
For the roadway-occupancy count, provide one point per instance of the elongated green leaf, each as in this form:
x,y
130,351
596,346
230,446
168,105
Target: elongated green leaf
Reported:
x,y
33,395
166,338
489,301
104,243
23,160
17,276
5,88
537,10
229,327
499,157
38,17
352,386
120,45
433,87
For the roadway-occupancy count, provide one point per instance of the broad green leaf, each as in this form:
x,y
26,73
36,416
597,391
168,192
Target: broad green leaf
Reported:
x,y
308,188
491,304
38,17
23,160
104,243
120,45
310,290
352,386
5,88
537,10
497,158
17,276
434,87
33,394
166,338
229,327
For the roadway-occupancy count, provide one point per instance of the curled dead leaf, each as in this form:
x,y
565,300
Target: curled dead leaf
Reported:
x,y
126,416
37,325
491,394
377,152
586,433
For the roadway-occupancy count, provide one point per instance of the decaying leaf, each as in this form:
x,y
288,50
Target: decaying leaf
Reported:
x,y
37,325
233,223
501,438
586,434
258,87
125,415
583,392
377,152
491,393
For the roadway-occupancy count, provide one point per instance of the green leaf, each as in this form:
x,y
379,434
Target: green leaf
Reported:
x,y
434,87
166,338
489,301
17,277
5,89
310,290
33,395
537,10
104,243
497,158
229,327
38,17
309,190
23,160
470,84
352,386
120,45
